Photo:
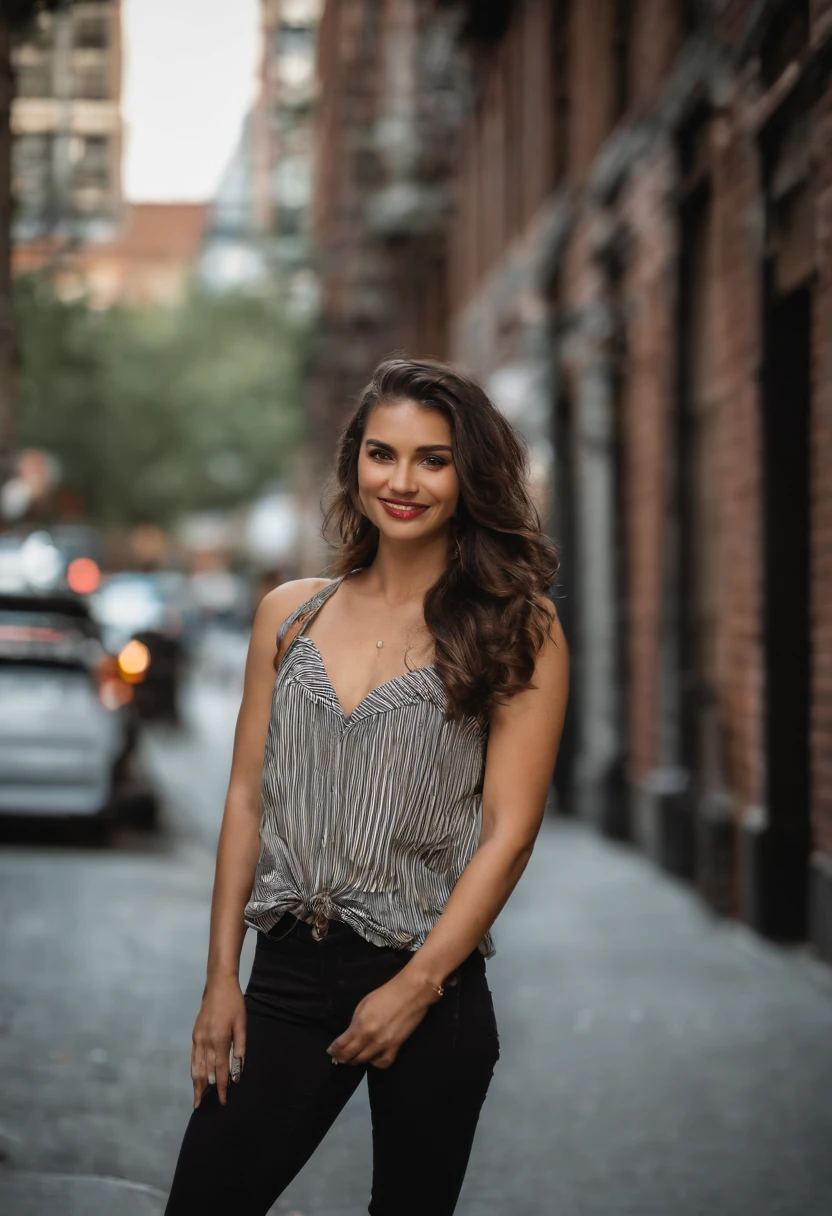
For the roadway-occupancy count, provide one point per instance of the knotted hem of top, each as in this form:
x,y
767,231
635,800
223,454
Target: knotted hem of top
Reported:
x,y
267,916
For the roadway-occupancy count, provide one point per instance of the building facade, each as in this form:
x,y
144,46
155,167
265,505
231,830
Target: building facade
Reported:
x,y
284,143
259,229
617,215
67,130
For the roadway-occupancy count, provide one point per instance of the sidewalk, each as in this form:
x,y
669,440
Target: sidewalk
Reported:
x,y
656,1061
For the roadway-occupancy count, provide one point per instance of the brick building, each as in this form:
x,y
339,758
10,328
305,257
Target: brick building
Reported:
x,y
619,215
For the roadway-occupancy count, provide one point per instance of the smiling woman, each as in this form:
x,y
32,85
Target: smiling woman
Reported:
x,y
388,784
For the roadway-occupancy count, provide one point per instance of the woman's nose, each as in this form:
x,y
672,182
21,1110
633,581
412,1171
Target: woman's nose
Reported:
x,y
403,479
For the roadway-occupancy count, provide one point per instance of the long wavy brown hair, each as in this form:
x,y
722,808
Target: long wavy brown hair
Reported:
x,y
485,611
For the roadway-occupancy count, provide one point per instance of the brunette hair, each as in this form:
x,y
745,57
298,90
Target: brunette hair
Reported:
x,y
485,611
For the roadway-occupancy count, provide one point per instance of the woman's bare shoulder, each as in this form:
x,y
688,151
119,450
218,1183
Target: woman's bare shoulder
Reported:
x,y
281,601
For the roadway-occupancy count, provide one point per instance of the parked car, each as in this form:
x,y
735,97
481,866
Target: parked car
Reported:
x,y
144,631
68,722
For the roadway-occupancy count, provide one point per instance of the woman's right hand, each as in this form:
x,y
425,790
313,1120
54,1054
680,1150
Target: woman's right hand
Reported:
x,y
221,1021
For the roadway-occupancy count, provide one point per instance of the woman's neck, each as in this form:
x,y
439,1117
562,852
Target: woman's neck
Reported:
x,y
401,573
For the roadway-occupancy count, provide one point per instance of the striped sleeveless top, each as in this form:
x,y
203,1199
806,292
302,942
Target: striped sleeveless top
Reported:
x,y
368,818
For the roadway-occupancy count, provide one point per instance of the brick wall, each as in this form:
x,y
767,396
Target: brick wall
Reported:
x,y
649,301
738,332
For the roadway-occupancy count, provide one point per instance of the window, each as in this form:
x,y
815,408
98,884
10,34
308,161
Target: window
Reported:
x,y
786,37
31,173
38,34
293,39
293,181
90,33
34,79
92,167
91,82
289,222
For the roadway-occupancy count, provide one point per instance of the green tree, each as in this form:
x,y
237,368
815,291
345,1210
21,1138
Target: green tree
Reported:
x,y
154,412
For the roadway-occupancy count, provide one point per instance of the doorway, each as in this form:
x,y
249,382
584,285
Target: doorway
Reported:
x,y
779,887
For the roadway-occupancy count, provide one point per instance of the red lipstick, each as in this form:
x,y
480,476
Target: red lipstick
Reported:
x,y
402,510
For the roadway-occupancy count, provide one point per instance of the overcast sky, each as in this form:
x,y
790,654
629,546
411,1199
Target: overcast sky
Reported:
x,y
189,77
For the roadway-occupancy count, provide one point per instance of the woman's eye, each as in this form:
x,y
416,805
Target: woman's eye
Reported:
x,y
438,462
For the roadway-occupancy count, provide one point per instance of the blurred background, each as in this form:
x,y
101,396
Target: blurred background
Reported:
x,y
215,217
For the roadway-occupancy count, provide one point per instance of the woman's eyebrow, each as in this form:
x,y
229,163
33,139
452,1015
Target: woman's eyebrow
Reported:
x,y
425,447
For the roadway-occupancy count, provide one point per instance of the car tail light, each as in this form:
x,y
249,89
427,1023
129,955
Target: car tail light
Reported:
x,y
133,662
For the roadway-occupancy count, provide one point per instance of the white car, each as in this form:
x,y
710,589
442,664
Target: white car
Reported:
x,y
67,723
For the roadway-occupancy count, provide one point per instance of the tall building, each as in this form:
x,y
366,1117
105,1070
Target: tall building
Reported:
x,y
66,125
616,215
284,139
259,230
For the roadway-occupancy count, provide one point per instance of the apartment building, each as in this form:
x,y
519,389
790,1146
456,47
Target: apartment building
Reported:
x,y
67,130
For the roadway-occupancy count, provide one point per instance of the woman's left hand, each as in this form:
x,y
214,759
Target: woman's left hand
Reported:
x,y
382,1021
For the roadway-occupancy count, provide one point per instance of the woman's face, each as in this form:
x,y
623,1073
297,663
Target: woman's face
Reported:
x,y
407,482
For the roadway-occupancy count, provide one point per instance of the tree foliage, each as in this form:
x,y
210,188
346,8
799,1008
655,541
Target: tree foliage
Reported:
x,y
155,412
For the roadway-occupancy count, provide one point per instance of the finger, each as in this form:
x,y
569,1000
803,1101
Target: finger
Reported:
x,y
369,1055
211,1063
384,1060
238,1038
359,1051
347,1044
221,1053
341,1052
199,1072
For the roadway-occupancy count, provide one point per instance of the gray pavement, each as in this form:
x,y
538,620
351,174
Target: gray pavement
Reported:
x,y
655,1060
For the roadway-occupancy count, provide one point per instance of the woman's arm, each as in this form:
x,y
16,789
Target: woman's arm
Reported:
x,y
522,749
221,1019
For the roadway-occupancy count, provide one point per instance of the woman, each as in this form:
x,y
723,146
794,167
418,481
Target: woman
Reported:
x,y
386,791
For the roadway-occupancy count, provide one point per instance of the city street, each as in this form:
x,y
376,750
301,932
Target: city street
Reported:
x,y
655,1061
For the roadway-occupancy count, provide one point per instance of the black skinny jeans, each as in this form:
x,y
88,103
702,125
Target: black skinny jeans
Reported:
x,y
237,1159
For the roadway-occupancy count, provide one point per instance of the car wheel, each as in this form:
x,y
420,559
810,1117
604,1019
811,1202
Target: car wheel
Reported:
x,y
138,806
143,810
95,832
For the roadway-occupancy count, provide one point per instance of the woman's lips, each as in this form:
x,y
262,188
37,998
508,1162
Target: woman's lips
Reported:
x,y
400,511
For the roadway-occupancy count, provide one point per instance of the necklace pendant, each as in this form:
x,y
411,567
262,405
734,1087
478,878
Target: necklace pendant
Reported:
x,y
379,644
